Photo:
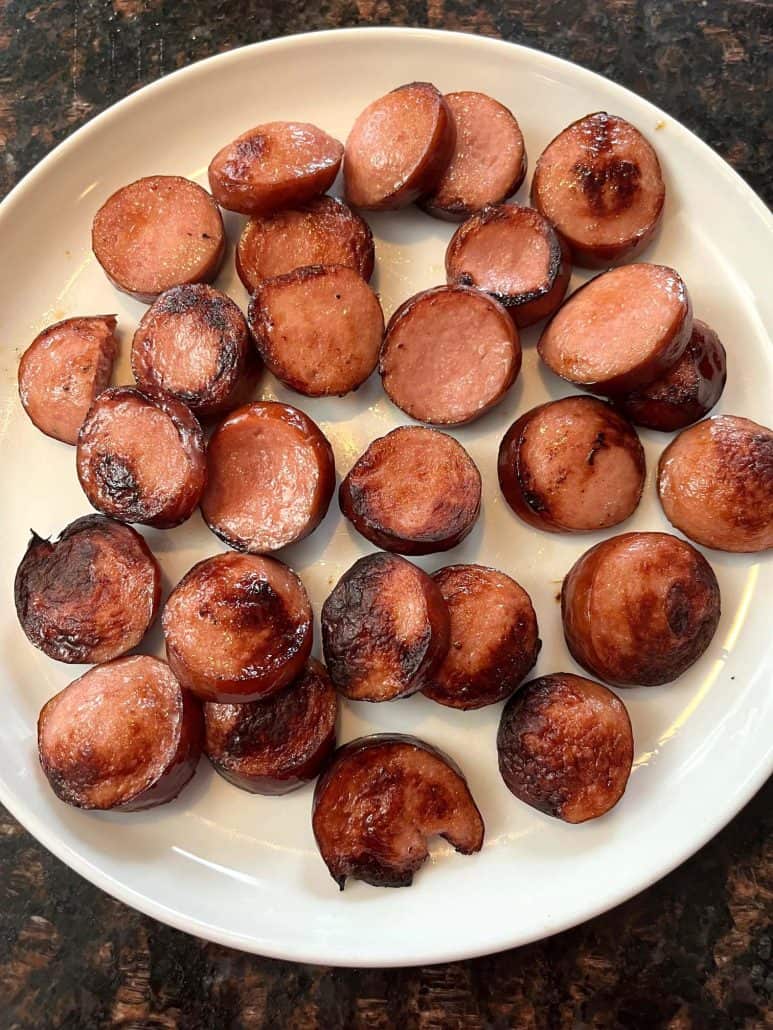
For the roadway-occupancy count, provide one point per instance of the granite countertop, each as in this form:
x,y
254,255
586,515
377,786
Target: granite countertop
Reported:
x,y
694,951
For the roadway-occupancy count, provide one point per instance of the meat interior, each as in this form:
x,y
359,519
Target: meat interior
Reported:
x,y
278,151
514,253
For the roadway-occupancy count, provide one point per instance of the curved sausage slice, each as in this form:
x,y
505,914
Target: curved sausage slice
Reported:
x,y
715,482
514,254
237,627
449,355
414,491
322,232
275,745
140,457
640,608
565,747
64,368
158,232
599,182
89,596
194,344
318,329
489,159
572,466
279,164
384,629
271,476
494,637
621,330
399,148
124,735
381,800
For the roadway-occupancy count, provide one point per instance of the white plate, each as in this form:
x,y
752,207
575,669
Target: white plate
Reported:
x,y
243,870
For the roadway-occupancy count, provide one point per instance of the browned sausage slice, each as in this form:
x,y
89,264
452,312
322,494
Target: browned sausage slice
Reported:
x,y
572,466
489,160
271,476
124,735
599,182
64,368
640,608
565,747
279,164
621,330
494,637
512,253
398,148
322,232
237,627
384,629
89,596
318,329
275,745
414,491
140,457
381,800
715,482
449,355
156,233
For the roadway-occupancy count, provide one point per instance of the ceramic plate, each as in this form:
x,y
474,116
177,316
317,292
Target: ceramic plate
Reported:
x,y
243,870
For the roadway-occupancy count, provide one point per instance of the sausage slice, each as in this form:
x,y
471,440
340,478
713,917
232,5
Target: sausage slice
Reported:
x,y
494,637
124,735
715,482
381,800
489,159
565,747
271,476
414,491
318,329
621,330
572,466
140,457
640,608
449,355
399,148
514,254
277,744
385,629
64,368
158,232
599,182
279,164
237,627
322,232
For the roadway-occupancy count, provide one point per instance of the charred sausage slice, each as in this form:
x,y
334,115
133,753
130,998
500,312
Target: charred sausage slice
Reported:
x,y
494,637
276,165
124,735
140,457
640,608
277,744
156,233
449,355
514,254
237,628
399,148
381,800
572,466
414,491
271,476
715,482
599,182
318,329
385,629
621,330
64,368
565,747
